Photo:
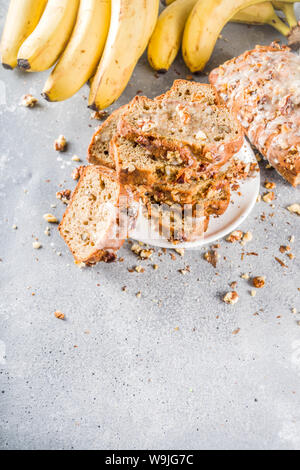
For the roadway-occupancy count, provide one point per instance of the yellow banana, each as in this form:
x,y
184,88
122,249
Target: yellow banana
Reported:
x,y
132,23
263,13
167,36
22,18
83,53
289,11
204,26
43,47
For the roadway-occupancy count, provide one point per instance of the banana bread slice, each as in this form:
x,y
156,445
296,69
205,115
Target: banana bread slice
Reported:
x,y
197,131
184,90
137,165
98,152
91,225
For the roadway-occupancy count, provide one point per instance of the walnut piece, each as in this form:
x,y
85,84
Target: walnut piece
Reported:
x,y
269,197
259,282
64,196
29,101
235,236
294,209
59,315
50,218
60,145
231,298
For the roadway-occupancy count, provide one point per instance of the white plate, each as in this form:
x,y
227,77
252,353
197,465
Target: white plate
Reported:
x,y
239,209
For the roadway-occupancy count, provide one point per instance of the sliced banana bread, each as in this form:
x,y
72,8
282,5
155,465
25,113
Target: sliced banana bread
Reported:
x,y
137,165
91,223
184,90
98,152
197,131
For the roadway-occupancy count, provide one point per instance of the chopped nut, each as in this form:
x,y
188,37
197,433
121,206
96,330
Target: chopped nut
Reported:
x,y
155,267
269,197
64,196
258,198
292,239
248,237
245,276
235,236
233,285
76,173
59,315
138,295
14,227
236,332
99,115
180,251
284,249
28,101
270,185
146,254
50,218
60,144
47,231
36,245
259,282
212,257
294,310
139,269
75,158
253,293
294,209
231,298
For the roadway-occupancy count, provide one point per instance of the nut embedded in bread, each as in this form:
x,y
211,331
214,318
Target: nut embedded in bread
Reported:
x,y
91,223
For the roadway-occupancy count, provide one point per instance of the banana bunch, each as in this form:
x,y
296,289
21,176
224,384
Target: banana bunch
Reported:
x,y
97,40
197,24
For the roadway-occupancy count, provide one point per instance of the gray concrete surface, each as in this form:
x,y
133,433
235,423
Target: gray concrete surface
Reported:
x,y
163,371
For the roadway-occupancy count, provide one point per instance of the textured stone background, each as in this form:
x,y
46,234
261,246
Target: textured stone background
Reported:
x,y
161,371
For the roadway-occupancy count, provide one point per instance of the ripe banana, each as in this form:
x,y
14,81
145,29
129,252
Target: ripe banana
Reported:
x,y
289,11
262,13
132,23
204,26
83,53
22,18
167,36
43,47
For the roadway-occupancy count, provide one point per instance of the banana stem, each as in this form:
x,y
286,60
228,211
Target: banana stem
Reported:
x,y
289,11
280,25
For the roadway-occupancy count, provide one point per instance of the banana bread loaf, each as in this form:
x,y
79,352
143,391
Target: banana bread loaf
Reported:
x,y
262,88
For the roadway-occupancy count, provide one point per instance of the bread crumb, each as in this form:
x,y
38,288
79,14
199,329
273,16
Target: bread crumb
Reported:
x,y
36,245
212,257
253,293
50,218
259,282
231,298
294,310
14,227
146,254
76,173
28,101
155,267
258,198
180,251
59,315
47,231
270,185
60,144
138,295
99,115
75,158
294,209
